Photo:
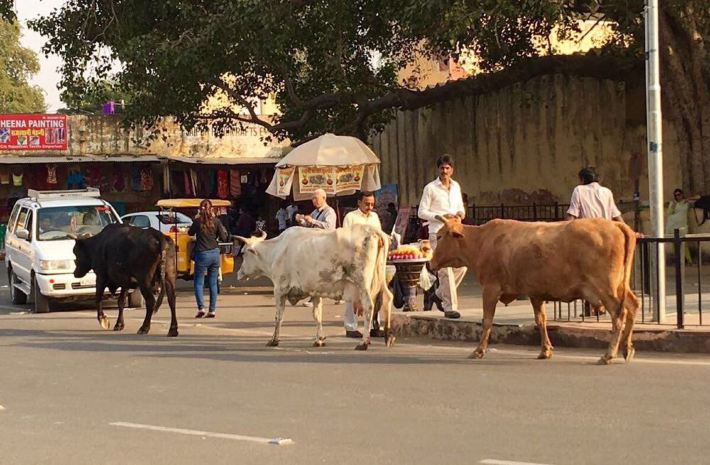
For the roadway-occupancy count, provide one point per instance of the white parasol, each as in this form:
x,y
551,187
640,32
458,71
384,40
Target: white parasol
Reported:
x,y
340,165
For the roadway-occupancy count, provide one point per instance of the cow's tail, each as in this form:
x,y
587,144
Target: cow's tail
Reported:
x,y
164,247
629,250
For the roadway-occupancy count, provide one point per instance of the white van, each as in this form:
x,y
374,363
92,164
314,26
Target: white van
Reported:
x,y
39,244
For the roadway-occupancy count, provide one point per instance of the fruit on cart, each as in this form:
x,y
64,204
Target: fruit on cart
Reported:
x,y
408,252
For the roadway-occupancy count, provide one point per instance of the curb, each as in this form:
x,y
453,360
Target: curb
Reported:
x,y
561,335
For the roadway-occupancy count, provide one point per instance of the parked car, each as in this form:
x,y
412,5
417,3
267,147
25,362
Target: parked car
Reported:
x,y
39,245
165,222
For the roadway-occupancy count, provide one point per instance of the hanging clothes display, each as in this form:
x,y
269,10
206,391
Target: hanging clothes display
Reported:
x,y
119,183
222,184
146,179
210,182
52,174
135,178
75,179
17,177
194,182
4,176
235,183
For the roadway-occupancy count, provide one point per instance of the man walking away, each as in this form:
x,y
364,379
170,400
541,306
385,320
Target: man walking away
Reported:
x,y
592,200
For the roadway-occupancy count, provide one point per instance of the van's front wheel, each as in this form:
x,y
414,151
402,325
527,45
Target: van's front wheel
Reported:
x,y
17,297
41,301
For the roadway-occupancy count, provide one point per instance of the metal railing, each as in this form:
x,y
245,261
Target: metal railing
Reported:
x,y
535,212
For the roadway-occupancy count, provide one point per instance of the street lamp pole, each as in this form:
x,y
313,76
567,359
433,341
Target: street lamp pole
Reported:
x,y
655,148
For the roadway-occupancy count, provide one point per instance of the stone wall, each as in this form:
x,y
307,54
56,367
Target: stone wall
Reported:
x,y
525,143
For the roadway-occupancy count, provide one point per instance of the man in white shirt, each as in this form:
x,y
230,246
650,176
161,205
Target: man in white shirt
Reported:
x,y
592,200
442,197
323,217
365,214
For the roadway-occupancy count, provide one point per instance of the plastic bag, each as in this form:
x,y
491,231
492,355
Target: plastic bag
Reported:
x,y
426,279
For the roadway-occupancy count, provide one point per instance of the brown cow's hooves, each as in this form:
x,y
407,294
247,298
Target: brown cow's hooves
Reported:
x,y
272,343
545,355
173,333
319,343
477,354
143,330
604,360
118,327
105,323
361,346
629,355
389,342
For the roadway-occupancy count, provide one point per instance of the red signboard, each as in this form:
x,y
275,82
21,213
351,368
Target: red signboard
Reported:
x,y
33,132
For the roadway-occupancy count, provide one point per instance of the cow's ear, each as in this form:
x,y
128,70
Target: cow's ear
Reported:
x,y
457,230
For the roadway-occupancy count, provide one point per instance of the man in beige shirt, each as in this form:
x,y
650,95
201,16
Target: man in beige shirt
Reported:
x,y
365,214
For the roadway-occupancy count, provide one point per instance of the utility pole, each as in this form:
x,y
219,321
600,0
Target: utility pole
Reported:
x,y
655,151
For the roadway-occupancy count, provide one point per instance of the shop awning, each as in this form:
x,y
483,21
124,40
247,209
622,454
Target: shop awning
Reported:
x,y
28,159
225,160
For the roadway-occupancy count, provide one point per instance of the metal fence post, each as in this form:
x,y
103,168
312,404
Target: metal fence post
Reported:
x,y
678,262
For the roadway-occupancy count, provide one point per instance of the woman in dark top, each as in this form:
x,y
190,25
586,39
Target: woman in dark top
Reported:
x,y
208,231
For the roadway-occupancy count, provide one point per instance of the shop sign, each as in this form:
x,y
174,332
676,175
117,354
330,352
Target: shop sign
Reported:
x,y
348,178
33,132
284,181
312,178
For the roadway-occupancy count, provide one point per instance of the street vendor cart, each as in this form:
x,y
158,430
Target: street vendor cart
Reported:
x,y
410,261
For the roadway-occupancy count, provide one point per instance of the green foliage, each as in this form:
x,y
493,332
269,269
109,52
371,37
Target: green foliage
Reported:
x,y
17,65
331,65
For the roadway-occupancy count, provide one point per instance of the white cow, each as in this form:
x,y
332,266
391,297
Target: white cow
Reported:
x,y
344,264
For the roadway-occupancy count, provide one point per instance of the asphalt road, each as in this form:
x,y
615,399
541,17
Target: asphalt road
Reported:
x,y
72,393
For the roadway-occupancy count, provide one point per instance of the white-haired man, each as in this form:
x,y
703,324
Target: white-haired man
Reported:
x,y
323,217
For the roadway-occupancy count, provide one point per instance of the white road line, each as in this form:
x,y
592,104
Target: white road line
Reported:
x,y
2,408
507,462
192,432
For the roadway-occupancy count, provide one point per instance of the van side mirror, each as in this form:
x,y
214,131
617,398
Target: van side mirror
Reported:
x,y
22,233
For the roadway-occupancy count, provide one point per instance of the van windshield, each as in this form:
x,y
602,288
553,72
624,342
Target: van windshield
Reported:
x,y
59,223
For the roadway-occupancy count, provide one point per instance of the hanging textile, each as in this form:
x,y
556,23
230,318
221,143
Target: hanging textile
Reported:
x,y
146,180
222,184
52,174
75,179
135,178
119,182
17,178
194,182
235,183
166,179
4,176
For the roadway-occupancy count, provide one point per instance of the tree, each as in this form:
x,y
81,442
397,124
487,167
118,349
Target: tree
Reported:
x,y
17,65
331,64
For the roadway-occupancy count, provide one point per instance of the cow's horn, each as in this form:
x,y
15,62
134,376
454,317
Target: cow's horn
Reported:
x,y
241,239
262,235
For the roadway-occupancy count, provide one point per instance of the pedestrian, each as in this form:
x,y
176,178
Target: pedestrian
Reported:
x,y
208,232
678,218
442,197
291,211
282,217
364,214
592,200
390,219
260,224
323,217
246,224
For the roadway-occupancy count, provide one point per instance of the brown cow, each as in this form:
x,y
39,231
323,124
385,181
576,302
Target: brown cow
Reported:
x,y
587,259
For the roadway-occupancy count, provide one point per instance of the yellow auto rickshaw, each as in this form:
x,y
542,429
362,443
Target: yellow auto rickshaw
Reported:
x,y
185,243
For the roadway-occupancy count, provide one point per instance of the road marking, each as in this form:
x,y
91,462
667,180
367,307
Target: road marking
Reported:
x,y
192,432
507,462
2,408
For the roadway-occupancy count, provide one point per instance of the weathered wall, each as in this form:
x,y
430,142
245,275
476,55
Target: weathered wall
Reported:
x,y
526,143
104,136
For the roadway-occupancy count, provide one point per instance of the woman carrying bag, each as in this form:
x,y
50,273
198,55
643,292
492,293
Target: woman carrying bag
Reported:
x,y
208,232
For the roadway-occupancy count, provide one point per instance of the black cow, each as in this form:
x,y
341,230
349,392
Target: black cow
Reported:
x,y
127,257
